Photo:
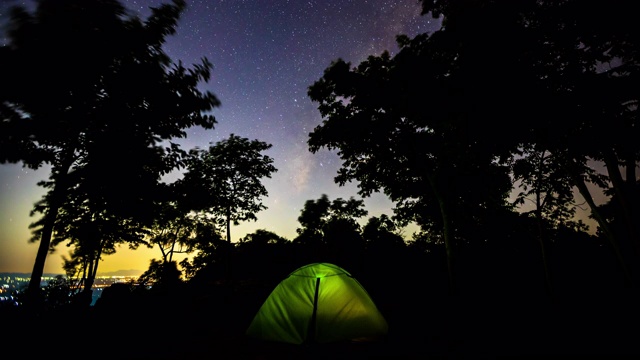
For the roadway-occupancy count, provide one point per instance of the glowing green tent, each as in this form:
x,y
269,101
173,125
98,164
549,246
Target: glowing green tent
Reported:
x,y
319,303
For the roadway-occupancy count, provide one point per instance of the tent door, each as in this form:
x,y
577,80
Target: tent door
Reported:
x,y
311,337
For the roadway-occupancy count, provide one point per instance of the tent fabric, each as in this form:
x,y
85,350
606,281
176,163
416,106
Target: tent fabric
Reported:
x,y
318,303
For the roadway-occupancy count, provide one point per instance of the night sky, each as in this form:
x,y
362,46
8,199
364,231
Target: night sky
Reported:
x,y
265,55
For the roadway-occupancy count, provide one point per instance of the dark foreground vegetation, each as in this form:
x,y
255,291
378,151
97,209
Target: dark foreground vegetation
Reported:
x,y
420,324
208,328
501,309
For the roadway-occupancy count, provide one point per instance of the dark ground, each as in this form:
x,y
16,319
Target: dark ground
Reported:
x,y
420,326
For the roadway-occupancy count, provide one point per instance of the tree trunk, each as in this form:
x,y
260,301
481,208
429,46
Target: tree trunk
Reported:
x,y
448,241
228,254
33,290
604,226
541,239
630,171
623,196
228,223
543,251
91,271
45,242
57,195
632,191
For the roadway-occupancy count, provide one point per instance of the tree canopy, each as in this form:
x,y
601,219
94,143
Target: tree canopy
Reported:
x,y
225,180
450,112
106,105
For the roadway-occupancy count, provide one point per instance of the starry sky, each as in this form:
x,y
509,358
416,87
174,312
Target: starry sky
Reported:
x,y
265,54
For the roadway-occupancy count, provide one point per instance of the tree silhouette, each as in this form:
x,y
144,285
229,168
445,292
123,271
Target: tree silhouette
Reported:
x,y
264,255
312,219
382,233
329,230
163,277
317,214
422,156
105,103
225,180
224,183
577,88
174,230
209,262
543,181
416,124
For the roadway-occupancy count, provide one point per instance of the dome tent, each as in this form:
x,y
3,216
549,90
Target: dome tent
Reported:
x,y
318,303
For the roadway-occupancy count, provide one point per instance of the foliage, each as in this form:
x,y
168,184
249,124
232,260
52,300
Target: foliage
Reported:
x,y
262,237
578,88
330,231
175,229
427,123
317,217
106,103
382,232
59,292
162,276
545,183
224,181
210,251
264,256
422,155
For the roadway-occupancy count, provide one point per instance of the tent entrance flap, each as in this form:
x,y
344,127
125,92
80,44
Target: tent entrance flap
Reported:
x,y
312,324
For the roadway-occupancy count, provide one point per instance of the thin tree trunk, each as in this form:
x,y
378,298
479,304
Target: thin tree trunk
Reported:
x,y
57,196
173,244
541,239
93,268
631,189
33,289
630,171
543,251
623,196
604,226
86,295
228,254
448,241
228,228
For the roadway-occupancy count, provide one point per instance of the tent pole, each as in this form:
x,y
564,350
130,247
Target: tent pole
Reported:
x,y
311,337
